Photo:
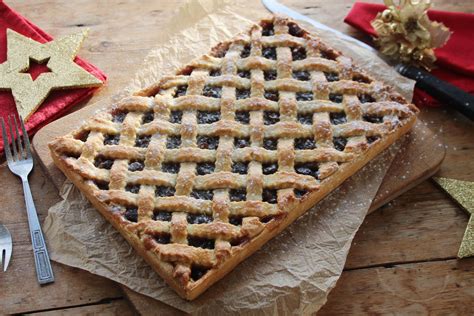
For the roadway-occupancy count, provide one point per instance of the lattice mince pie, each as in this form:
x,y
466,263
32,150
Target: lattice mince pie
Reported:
x,y
201,169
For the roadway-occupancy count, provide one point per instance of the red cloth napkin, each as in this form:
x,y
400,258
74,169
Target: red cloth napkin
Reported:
x,y
455,60
58,101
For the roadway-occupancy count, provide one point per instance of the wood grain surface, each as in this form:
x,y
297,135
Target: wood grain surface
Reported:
x,y
402,260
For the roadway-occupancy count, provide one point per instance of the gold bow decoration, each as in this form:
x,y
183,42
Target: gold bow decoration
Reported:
x,y
405,32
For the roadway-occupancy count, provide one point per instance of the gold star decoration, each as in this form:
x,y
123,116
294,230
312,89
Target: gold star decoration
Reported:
x,y
463,193
58,56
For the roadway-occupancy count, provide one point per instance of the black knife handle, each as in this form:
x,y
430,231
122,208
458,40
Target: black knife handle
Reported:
x,y
439,89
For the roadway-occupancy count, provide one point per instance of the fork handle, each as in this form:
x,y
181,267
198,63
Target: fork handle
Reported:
x,y
44,272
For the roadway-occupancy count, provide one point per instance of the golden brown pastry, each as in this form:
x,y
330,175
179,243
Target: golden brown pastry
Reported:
x,y
201,169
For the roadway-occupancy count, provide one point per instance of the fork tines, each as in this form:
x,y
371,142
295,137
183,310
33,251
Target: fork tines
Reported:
x,y
19,151
5,248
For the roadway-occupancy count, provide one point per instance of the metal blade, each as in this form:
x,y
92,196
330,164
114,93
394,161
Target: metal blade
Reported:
x,y
276,7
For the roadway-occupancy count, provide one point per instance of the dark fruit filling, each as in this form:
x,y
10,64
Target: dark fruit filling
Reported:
x,y
270,117
131,214
148,117
235,220
170,167
364,98
199,219
305,118
270,143
111,139
180,91
269,196
269,53
102,185
298,53
301,75
361,79
304,96
242,94
268,30
308,169
164,191
244,74
242,142
207,142
102,163
300,193
295,30
245,52
119,117
142,141
204,168
162,216
331,76
271,95
237,195
136,165
202,194
270,75
340,143
242,117
371,139
240,167
176,117
338,118
201,242
133,188
208,117
163,239
373,118
212,91
305,143
173,141
197,272
337,98
270,168
215,73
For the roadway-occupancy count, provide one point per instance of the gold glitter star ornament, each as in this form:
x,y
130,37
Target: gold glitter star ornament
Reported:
x,y
59,58
463,193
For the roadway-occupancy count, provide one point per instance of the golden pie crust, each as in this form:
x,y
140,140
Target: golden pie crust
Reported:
x,y
201,169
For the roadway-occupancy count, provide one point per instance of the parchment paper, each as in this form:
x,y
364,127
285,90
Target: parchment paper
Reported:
x,y
295,271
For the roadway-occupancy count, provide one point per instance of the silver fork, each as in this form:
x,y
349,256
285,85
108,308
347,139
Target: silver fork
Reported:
x,y
5,247
21,164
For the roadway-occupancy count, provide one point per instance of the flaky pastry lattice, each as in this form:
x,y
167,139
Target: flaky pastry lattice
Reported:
x,y
201,169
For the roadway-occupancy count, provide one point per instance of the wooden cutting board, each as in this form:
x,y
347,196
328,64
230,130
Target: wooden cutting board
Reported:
x,y
420,157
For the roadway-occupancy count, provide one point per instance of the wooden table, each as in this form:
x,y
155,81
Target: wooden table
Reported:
x,y
403,259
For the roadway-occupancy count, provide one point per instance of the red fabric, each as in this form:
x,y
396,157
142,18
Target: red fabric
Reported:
x,y
454,60
58,101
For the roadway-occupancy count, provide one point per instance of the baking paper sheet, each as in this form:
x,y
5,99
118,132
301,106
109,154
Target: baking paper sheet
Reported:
x,y
295,271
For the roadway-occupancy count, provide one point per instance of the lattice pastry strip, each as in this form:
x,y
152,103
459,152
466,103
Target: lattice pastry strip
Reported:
x,y
202,168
